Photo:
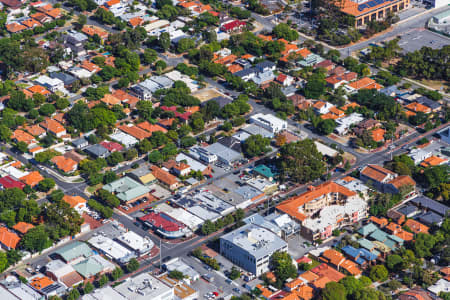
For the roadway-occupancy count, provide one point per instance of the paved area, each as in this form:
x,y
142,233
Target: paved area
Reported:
x,y
159,192
298,246
415,39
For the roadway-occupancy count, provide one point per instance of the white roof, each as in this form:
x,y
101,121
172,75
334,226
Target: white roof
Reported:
x,y
325,150
441,285
106,293
124,138
80,72
59,268
180,265
269,119
156,25
144,286
136,242
10,170
195,164
260,183
45,80
110,247
203,213
179,214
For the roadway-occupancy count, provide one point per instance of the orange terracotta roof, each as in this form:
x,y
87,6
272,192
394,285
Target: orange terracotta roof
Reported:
x,y
333,257
54,13
35,130
135,131
187,4
291,205
125,97
92,30
393,228
266,38
226,60
264,291
74,200
39,89
445,270
416,227
336,111
402,180
304,52
416,107
351,104
15,27
23,227
136,21
294,283
319,104
404,235
32,178
166,122
91,67
9,239
163,176
329,272
409,113
109,99
235,68
329,116
363,83
309,276
192,109
112,2
321,282
30,23
247,56
433,161
378,134
53,126
41,282
305,292
376,172
151,127
22,136
351,267
271,276
379,221
17,164
64,164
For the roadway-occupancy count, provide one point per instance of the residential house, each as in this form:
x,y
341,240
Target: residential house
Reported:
x,y
177,168
234,26
52,84
112,146
385,180
64,164
416,226
54,127
36,130
362,84
327,64
337,259
32,179
67,79
22,227
336,81
97,151
321,107
80,143
8,239
416,293
134,131
285,80
76,202
165,177
92,30
8,182
47,287
142,174
22,136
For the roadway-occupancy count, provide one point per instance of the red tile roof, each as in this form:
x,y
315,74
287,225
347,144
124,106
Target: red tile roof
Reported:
x,y
8,239
8,183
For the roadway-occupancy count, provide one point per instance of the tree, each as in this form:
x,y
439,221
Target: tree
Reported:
x,y
326,127
164,41
47,109
155,157
283,31
149,56
234,274
185,44
394,263
36,239
5,133
22,147
116,273
88,287
131,154
160,65
62,103
256,145
378,273
301,161
102,281
46,185
107,198
315,87
282,266
175,274
115,158
109,177
239,214
74,294
145,109
3,261
132,265
334,291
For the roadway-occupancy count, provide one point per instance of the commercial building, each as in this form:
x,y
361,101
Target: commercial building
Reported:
x,y
127,190
373,10
166,226
250,247
280,224
182,291
106,293
111,249
144,287
74,252
139,244
224,154
94,265
57,270
269,122
181,215
142,174
20,289
387,181
323,208
179,265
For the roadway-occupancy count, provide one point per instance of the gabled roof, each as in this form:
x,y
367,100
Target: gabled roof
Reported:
x,y
32,178
74,200
376,172
8,182
9,239
147,126
52,126
135,131
63,163
163,176
402,180
74,250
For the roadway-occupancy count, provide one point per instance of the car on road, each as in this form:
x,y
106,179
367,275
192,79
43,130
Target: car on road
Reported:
x,y
236,290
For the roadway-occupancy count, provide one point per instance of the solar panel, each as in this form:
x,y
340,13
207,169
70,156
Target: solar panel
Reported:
x,y
361,7
371,3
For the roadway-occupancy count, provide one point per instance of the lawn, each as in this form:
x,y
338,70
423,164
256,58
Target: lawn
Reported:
x,y
92,189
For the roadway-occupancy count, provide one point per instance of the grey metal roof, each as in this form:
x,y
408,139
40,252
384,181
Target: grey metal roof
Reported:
x,y
430,218
253,129
428,102
265,64
407,210
79,142
66,78
248,192
163,81
96,150
223,152
425,202
245,72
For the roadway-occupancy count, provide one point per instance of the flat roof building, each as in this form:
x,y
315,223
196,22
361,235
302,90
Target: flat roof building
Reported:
x,y
269,122
250,247
145,287
111,249
139,244
127,190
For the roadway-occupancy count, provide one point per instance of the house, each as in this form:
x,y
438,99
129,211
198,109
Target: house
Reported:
x,y
433,161
269,122
22,136
126,98
92,30
428,204
76,202
337,259
112,146
80,143
8,182
97,151
12,4
327,64
177,168
67,79
285,80
32,179
151,127
59,271
416,293
64,164
75,41
22,227
93,265
52,84
416,227
165,177
336,80
361,84
233,26
8,240
321,107
36,130
135,131
39,89
54,127
378,134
